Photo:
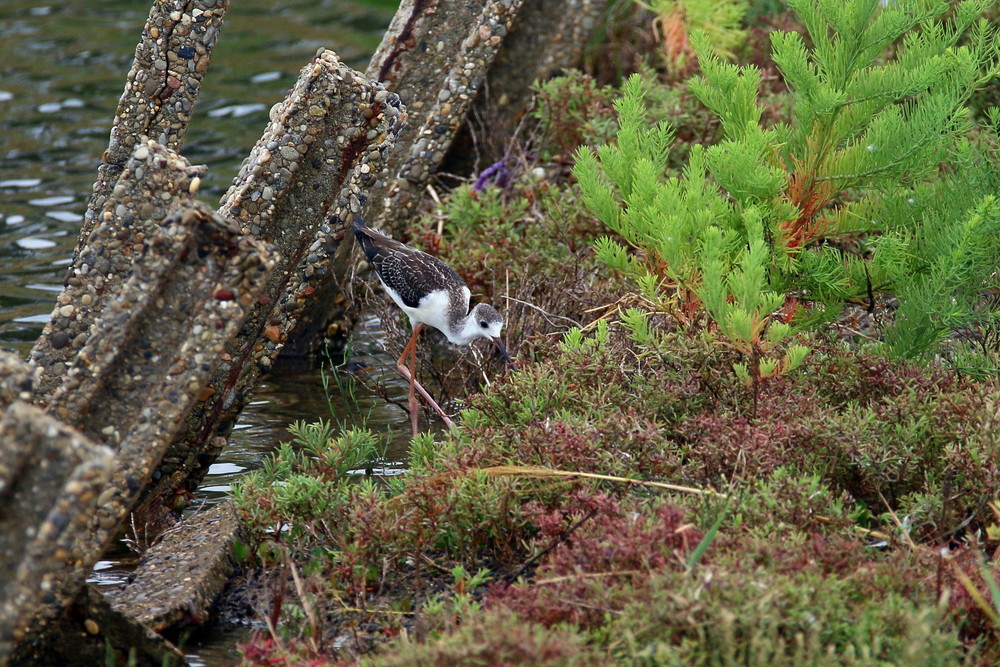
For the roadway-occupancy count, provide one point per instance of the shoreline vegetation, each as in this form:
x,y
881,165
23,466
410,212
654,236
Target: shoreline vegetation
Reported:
x,y
752,293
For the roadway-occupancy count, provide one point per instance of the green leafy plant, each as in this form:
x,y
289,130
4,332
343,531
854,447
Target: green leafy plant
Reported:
x,y
625,186
694,248
577,343
304,479
865,129
458,604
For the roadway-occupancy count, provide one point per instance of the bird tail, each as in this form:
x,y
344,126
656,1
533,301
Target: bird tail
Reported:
x,y
364,235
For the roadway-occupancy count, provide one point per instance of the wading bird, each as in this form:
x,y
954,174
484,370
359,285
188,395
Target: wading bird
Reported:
x,y
431,293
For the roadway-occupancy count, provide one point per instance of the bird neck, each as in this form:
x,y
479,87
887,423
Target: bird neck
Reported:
x,y
464,331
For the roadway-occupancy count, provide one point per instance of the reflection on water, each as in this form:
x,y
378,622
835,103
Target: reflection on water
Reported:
x,y
63,66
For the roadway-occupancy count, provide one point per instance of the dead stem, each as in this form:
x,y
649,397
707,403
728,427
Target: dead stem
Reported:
x,y
538,472
587,575
315,635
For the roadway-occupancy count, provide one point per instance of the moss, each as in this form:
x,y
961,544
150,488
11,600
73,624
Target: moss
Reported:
x,y
773,618
493,638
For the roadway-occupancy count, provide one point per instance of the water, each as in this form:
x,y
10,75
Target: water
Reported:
x,y
62,71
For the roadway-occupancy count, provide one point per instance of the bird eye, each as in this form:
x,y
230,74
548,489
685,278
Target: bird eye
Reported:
x,y
483,324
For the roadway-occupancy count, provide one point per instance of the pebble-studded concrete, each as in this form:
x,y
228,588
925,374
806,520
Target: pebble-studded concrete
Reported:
x,y
180,576
158,340
547,37
17,379
50,480
435,55
325,145
162,87
175,282
155,182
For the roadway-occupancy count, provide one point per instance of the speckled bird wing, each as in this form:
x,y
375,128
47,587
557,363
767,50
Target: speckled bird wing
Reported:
x,y
411,273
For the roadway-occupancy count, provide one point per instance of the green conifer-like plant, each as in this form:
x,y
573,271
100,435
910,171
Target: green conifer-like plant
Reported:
x,y
675,20
695,249
878,108
943,260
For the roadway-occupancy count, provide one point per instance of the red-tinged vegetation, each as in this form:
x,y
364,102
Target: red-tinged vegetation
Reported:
x,y
591,573
852,443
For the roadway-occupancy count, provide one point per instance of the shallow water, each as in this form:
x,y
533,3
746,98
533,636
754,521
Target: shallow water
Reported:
x,y
62,71
292,392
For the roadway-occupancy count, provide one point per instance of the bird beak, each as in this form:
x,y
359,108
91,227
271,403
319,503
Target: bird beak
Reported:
x,y
503,350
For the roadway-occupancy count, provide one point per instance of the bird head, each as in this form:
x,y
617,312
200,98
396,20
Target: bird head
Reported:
x,y
485,322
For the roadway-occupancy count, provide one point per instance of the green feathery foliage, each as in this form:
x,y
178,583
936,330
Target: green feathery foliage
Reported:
x,y
878,107
677,19
696,247
942,262
625,185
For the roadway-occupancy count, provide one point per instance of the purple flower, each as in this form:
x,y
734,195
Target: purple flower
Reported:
x,y
496,175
